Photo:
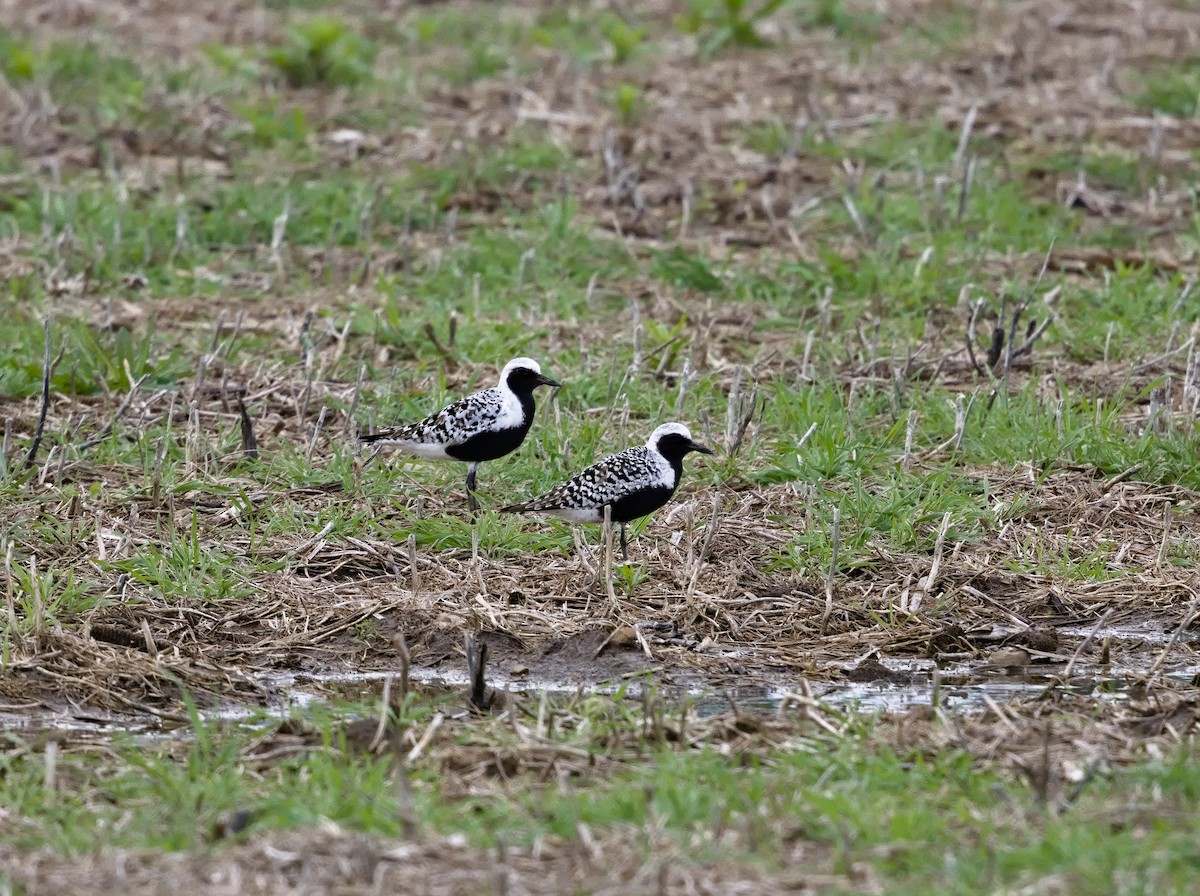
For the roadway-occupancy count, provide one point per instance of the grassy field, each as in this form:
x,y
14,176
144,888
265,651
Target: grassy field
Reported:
x,y
923,273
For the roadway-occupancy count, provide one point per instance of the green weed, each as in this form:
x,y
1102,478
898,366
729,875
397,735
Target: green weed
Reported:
x,y
681,267
18,60
723,23
89,361
98,85
481,46
627,100
189,567
623,39
44,596
324,52
1171,90
772,138
855,26
1103,169
628,576
270,124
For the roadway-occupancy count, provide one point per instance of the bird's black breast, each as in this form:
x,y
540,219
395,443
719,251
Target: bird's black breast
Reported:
x,y
641,502
493,443
490,445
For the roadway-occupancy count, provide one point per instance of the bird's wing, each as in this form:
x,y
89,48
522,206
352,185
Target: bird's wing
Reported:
x,y
452,425
601,483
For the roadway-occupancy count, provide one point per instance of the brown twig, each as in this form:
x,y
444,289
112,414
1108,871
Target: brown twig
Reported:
x,y
1033,333
47,370
249,442
975,308
431,335
400,643
385,712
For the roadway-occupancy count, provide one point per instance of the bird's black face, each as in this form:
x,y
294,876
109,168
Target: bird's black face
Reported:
x,y
526,379
677,445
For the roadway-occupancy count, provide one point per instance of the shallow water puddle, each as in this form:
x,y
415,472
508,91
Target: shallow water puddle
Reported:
x,y
902,685
38,720
960,688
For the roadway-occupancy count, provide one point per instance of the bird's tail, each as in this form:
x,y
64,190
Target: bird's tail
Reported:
x,y
524,506
389,434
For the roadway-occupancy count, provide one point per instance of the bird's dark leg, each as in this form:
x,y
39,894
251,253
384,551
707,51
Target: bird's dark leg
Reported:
x,y
472,468
624,545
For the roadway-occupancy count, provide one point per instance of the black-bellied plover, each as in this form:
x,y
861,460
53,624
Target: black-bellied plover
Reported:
x,y
482,426
633,483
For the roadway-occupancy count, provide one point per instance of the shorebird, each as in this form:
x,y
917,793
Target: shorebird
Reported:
x,y
633,483
482,426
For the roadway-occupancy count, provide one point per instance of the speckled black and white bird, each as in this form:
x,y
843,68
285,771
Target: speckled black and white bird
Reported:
x,y
633,483
482,426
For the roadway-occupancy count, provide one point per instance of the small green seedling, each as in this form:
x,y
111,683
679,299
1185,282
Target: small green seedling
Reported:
x,y
324,52
727,22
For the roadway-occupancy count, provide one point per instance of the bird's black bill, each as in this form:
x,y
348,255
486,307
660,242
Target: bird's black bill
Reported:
x,y
703,449
543,380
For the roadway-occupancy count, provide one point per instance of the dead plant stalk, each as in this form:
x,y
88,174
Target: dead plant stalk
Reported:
x,y
709,533
935,567
47,371
608,556
10,587
836,538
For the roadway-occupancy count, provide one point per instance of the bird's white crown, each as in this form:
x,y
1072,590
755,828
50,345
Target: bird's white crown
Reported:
x,y
668,429
517,363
